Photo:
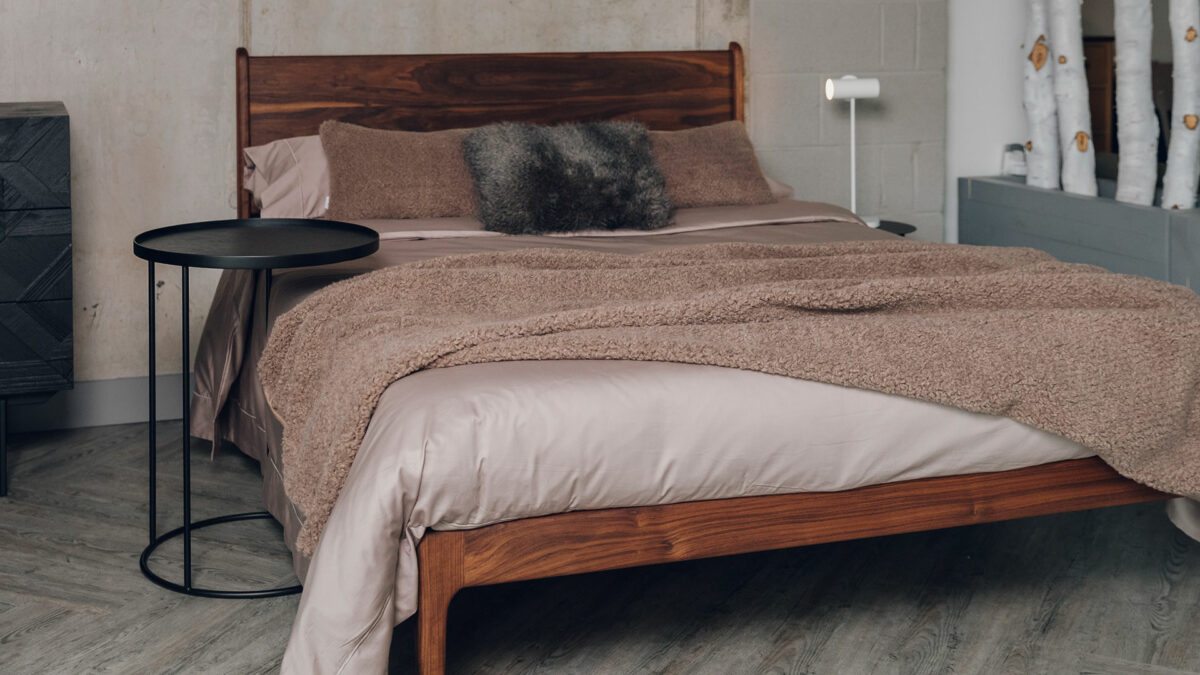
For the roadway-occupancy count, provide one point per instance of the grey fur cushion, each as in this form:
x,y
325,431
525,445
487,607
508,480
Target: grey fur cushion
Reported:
x,y
599,175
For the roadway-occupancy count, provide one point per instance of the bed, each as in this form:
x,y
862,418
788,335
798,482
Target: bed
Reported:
x,y
281,97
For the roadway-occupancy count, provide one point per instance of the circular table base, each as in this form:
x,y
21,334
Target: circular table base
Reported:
x,y
208,592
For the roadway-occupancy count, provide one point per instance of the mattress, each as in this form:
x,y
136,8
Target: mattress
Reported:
x,y
467,446
517,439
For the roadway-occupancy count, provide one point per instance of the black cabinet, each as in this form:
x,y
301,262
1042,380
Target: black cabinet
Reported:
x,y
35,255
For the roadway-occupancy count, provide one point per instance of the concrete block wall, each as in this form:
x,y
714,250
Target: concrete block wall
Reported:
x,y
803,138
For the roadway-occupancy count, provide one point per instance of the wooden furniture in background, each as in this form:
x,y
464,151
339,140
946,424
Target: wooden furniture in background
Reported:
x,y
280,97
35,256
1099,63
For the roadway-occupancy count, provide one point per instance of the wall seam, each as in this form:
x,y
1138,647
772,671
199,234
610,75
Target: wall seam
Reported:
x,y
917,56
246,24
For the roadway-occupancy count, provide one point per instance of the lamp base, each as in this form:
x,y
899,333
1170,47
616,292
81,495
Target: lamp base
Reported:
x,y
871,221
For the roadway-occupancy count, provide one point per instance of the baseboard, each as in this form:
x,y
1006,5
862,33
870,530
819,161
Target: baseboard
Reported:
x,y
98,403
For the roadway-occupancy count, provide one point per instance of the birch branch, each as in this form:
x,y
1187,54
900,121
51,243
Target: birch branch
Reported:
x,y
1137,125
1041,150
1071,93
1179,182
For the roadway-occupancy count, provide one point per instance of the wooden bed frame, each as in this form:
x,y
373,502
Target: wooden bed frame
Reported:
x,y
279,97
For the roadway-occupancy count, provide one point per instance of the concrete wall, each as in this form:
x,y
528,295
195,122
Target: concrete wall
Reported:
x,y
150,89
802,138
429,26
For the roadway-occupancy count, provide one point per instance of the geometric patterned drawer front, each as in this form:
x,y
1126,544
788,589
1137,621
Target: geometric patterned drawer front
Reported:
x,y
35,165
35,249
35,255
35,347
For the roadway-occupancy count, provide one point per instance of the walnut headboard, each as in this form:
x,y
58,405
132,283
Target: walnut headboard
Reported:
x,y
284,96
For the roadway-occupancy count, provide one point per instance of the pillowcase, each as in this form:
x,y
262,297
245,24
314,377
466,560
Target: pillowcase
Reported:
x,y
779,190
289,178
376,173
598,175
710,166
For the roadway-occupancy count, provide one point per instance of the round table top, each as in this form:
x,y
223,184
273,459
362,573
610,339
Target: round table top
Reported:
x,y
256,243
896,227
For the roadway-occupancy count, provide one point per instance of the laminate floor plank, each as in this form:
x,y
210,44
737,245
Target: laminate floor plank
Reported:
x,y
1107,591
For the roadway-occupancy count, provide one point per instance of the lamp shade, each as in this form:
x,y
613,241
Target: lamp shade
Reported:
x,y
852,87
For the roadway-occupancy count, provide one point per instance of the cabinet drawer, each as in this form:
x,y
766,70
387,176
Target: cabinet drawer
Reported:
x,y
35,164
35,255
35,346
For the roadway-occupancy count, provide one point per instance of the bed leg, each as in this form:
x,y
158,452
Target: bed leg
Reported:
x,y
440,561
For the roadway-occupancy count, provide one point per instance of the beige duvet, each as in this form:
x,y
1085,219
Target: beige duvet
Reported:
x,y
470,445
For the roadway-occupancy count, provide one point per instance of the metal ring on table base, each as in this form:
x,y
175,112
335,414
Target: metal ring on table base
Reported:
x,y
208,592
249,244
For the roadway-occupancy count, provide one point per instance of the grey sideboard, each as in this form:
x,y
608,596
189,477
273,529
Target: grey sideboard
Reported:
x,y
1125,238
35,256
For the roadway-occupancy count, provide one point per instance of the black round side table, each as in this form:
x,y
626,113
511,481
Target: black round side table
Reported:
x,y
252,244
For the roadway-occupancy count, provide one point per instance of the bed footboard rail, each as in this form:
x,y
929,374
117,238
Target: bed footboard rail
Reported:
x,y
592,541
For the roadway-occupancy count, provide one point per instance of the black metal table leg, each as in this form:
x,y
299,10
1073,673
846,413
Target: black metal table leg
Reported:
x,y
186,529
153,418
187,432
3,447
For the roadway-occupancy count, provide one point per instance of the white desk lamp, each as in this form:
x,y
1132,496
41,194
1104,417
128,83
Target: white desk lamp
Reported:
x,y
851,87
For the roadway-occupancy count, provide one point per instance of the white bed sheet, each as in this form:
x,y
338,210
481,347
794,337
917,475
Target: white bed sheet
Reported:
x,y
467,446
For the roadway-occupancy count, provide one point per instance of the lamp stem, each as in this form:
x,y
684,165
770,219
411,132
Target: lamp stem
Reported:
x,y
853,171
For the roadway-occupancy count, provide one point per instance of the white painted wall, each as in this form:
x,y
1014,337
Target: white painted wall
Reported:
x,y
983,91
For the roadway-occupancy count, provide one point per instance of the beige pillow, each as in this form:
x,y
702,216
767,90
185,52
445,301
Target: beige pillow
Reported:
x,y
374,173
289,178
710,166
779,190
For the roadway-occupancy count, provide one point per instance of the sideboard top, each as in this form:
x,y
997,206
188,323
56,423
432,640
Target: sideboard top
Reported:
x,y
33,109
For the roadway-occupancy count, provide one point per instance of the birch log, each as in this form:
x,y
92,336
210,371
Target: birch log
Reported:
x,y
1071,93
1041,150
1179,182
1137,125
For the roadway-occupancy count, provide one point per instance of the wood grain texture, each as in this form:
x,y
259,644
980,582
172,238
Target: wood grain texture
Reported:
x,y
588,541
242,59
591,541
441,576
72,599
292,95
739,82
35,167
284,96
35,347
1101,591
36,353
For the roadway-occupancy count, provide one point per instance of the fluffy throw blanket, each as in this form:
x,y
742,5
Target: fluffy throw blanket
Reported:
x,y
1110,361
590,176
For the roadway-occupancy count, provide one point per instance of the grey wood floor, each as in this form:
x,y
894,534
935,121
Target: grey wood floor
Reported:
x,y
1109,591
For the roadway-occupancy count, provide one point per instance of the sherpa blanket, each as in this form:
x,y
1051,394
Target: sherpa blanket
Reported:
x,y
1107,360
